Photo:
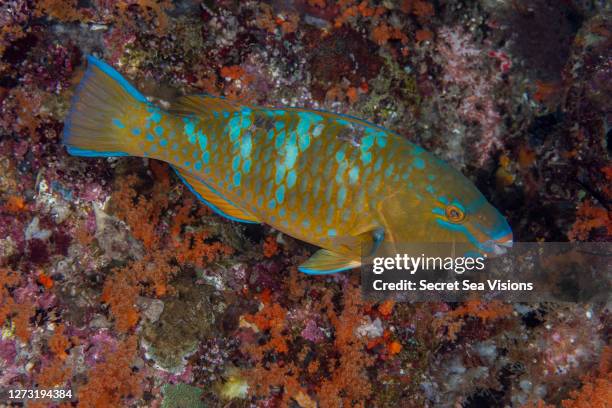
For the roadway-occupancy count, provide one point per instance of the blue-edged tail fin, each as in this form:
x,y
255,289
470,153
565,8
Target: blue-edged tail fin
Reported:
x,y
105,108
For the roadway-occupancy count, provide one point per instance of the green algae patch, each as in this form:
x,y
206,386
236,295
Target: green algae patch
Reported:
x,y
181,396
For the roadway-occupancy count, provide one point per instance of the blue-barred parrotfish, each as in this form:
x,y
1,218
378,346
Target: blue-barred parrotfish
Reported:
x,y
335,181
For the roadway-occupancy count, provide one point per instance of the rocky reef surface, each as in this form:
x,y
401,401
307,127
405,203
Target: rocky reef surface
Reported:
x,y
116,283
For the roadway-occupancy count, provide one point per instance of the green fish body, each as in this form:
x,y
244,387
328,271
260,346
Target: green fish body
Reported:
x,y
334,181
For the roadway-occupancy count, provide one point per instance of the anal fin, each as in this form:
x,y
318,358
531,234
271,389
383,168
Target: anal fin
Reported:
x,y
326,262
214,199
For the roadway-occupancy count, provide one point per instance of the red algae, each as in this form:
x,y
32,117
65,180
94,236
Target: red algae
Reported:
x,y
110,382
116,281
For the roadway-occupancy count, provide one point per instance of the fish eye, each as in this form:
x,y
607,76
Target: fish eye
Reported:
x,y
454,213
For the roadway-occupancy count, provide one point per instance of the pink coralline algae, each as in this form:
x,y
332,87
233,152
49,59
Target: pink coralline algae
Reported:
x,y
8,352
462,67
312,332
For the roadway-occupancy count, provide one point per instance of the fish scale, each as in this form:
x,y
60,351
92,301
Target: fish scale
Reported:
x,y
284,141
335,181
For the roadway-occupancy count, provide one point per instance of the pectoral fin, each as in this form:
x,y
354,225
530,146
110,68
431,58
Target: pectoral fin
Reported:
x,y
325,262
371,240
364,240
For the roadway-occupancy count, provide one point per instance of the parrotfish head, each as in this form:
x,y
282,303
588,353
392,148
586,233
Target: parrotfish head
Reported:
x,y
446,207
473,221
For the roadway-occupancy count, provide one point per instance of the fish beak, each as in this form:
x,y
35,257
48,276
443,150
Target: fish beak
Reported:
x,y
499,246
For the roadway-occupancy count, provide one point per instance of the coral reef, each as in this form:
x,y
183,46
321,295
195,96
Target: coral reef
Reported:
x,y
116,283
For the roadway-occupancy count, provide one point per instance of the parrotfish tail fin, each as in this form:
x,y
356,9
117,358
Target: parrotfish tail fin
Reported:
x,y
105,109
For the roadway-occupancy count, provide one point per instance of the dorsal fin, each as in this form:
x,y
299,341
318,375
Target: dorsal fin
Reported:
x,y
214,199
202,105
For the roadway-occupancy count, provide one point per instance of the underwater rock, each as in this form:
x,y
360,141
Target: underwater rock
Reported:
x,y
186,320
371,328
115,239
151,309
